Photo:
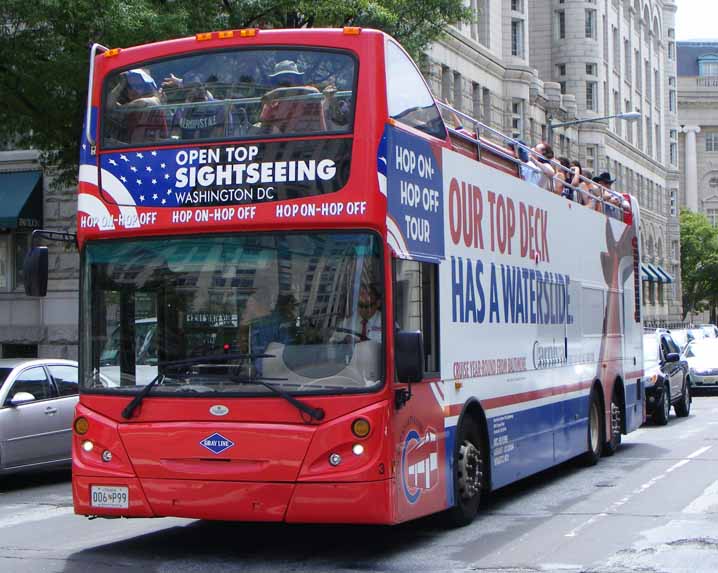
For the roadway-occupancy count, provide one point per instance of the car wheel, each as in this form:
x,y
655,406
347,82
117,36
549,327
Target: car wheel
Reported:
x,y
663,409
595,431
614,441
683,406
468,475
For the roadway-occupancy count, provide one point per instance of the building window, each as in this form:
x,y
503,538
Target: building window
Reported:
x,y
458,91
649,137
563,87
476,100
674,206
445,83
708,65
616,50
648,79
561,24
561,69
517,119
673,147
590,27
618,124
591,69
672,100
591,99
629,125
591,157
517,5
711,141
712,215
517,38
486,104
627,61
659,147
638,70
671,50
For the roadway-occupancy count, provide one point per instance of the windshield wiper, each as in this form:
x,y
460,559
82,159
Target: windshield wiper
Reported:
x,y
132,406
314,413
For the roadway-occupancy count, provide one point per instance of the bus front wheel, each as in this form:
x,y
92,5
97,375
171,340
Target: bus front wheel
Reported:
x,y
468,470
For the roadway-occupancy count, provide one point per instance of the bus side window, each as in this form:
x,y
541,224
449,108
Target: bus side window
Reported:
x,y
408,98
416,305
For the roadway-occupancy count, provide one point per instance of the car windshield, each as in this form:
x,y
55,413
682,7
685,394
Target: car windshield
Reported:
x,y
212,313
230,94
650,349
703,350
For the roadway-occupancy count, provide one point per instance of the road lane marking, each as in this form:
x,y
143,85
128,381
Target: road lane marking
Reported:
x,y
639,490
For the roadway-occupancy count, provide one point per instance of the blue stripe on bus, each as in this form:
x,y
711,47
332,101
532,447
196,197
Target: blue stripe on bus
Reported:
x,y
525,442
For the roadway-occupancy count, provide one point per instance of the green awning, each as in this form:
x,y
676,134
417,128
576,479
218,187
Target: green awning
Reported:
x,y
665,275
21,200
649,275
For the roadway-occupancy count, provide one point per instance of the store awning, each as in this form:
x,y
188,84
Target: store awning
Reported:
x,y
649,275
21,200
667,277
660,278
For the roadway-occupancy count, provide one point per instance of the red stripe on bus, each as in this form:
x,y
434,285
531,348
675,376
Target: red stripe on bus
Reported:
x,y
511,399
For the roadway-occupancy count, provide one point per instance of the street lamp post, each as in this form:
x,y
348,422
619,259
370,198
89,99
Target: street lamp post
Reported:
x,y
550,125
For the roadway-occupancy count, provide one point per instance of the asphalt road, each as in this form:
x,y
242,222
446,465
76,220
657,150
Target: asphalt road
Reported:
x,y
653,507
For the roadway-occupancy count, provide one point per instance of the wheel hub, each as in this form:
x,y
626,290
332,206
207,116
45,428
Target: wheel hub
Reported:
x,y
469,470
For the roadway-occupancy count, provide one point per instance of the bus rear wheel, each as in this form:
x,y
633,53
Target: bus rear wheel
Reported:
x,y
612,445
595,431
468,470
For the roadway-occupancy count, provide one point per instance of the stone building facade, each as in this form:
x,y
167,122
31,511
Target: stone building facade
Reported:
x,y
605,57
698,118
698,134
36,327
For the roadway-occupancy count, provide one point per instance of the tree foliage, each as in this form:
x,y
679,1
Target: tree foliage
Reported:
x,y
45,58
699,262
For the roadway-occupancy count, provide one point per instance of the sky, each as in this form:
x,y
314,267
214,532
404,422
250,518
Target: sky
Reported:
x,y
697,20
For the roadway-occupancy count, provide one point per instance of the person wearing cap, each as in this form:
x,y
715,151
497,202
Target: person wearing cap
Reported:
x,y
127,101
291,107
205,120
612,200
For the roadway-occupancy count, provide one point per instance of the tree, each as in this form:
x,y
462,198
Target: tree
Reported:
x,y
44,68
699,263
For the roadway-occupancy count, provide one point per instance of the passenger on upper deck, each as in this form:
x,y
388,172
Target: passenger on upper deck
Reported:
x,y
129,120
206,119
291,107
538,170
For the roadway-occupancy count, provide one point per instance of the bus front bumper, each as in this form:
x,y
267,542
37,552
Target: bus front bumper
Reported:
x,y
356,502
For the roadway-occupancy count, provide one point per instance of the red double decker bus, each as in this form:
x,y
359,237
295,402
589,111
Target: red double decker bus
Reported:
x,y
305,299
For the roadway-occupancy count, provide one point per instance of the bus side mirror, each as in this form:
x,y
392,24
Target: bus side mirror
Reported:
x,y
35,271
409,356
673,357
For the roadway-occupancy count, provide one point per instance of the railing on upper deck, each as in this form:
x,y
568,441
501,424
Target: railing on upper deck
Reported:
x,y
480,143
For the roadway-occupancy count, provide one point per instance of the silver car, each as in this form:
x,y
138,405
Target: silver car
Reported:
x,y
37,405
702,357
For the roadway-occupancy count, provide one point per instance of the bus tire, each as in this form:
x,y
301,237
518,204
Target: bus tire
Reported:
x,y
595,432
663,408
683,406
468,470
614,441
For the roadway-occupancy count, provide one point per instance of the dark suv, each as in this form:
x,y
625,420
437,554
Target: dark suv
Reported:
x,y
666,377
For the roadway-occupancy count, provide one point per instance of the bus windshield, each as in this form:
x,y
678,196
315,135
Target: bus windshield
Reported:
x,y
233,94
218,314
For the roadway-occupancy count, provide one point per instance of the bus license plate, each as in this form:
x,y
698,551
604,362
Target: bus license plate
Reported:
x,y
109,496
